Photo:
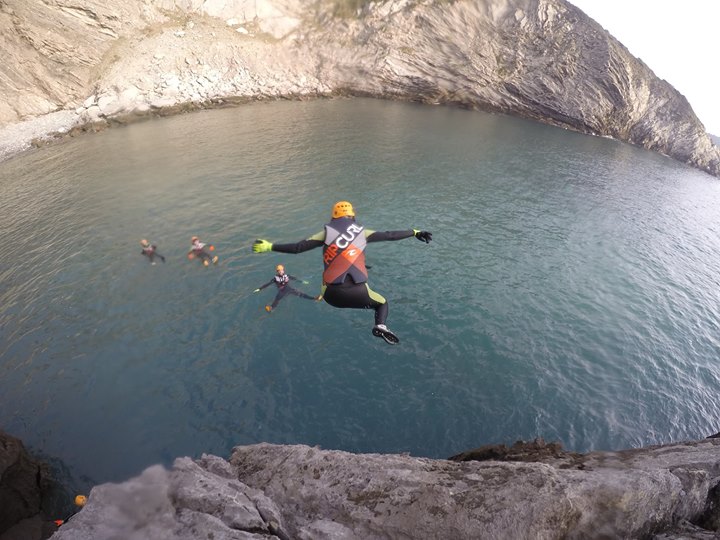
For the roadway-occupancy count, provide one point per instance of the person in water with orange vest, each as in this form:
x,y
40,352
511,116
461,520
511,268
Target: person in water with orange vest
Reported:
x,y
150,251
345,276
198,250
282,282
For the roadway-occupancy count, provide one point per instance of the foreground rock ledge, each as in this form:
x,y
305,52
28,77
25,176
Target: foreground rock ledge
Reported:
x,y
276,491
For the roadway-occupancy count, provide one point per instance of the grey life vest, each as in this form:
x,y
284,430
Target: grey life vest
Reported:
x,y
344,251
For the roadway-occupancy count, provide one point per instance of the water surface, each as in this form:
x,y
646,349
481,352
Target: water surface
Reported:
x,y
571,291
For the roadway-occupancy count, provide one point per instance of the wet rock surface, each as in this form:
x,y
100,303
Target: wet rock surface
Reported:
x,y
23,484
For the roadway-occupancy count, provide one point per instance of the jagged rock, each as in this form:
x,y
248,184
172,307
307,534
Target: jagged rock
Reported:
x,y
196,499
34,528
667,492
535,451
92,114
23,482
540,59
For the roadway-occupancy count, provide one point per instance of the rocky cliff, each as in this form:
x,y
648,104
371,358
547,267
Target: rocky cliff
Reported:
x,y
24,482
67,64
533,491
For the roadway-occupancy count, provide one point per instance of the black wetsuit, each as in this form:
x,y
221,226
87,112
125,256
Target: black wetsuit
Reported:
x,y
350,288
151,252
201,254
284,288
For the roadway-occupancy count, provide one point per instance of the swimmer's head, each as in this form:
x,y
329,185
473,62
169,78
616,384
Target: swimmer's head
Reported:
x,y
343,209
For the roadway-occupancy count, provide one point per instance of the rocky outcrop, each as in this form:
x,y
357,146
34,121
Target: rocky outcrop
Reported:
x,y
271,491
540,59
23,483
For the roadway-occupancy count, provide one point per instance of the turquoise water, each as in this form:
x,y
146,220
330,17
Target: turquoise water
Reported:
x,y
571,291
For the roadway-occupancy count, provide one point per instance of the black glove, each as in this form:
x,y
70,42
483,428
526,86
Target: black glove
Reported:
x,y
423,236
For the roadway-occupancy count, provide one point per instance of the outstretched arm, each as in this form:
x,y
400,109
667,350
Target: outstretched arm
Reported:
x,y
262,246
377,236
298,247
261,287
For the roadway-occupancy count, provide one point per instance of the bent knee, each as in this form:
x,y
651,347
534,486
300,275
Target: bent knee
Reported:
x,y
379,298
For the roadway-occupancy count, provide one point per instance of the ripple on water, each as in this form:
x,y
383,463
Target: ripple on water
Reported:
x,y
570,292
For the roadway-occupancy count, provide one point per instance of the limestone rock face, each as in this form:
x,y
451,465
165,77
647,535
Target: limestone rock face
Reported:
x,y
196,499
275,491
540,59
54,51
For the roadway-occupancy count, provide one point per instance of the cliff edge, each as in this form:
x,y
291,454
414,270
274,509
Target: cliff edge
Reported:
x,y
67,65
531,490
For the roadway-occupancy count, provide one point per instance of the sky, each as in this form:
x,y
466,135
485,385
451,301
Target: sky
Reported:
x,y
679,41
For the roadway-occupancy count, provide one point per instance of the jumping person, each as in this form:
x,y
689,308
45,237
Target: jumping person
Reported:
x,y
150,251
345,276
282,282
198,250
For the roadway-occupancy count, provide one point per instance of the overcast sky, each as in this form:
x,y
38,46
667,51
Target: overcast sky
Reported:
x,y
679,41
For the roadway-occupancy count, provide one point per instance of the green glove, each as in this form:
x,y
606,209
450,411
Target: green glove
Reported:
x,y
306,283
256,290
423,236
261,246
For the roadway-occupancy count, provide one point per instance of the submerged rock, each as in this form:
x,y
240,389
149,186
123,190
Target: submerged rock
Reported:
x,y
540,59
277,491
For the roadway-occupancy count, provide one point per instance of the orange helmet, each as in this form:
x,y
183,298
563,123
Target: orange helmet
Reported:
x,y
279,268
343,209
144,243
